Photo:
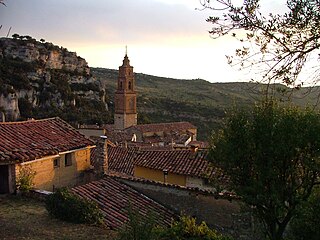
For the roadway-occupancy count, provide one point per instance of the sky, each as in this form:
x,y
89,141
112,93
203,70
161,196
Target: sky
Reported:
x,y
167,38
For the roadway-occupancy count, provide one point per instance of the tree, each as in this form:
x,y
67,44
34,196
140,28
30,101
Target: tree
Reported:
x,y
272,157
15,36
276,44
306,223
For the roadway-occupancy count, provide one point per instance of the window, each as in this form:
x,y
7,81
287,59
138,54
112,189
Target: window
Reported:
x,y
56,162
68,159
129,85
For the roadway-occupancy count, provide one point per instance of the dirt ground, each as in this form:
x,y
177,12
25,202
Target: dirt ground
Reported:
x,y
25,218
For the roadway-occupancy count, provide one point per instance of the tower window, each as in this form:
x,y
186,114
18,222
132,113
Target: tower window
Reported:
x,y
120,85
130,85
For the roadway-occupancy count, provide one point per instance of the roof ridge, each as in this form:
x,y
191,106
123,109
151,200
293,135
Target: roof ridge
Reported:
x,y
32,120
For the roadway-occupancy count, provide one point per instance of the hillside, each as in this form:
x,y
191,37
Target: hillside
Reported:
x,y
198,101
39,79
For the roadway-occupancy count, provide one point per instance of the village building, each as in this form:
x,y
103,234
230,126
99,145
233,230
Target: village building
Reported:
x,y
186,167
50,149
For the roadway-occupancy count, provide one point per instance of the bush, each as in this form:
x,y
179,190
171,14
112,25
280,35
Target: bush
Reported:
x,y
141,227
187,228
69,207
25,178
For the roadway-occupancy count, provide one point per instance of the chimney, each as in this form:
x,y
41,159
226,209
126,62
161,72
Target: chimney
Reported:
x,y
101,159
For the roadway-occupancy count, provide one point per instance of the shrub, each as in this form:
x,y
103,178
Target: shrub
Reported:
x,y
141,227
187,228
25,178
69,207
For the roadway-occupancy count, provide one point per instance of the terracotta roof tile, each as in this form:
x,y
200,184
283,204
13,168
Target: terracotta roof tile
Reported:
x,y
118,136
182,162
163,127
120,159
115,198
29,140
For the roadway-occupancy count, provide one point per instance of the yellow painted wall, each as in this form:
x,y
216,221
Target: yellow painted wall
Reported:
x,y
157,175
47,176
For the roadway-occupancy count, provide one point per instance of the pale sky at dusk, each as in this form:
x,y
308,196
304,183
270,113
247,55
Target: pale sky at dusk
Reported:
x,y
167,38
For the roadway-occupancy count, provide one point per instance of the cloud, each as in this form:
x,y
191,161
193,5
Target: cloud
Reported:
x,y
98,20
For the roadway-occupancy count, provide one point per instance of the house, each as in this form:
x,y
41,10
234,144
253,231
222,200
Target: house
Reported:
x,y
180,167
50,149
189,168
116,199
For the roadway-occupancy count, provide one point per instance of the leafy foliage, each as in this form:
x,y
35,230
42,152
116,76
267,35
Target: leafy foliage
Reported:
x,y
187,228
24,182
69,207
140,227
305,225
276,44
272,155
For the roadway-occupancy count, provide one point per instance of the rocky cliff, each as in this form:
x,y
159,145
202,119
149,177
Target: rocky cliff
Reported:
x,y
40,79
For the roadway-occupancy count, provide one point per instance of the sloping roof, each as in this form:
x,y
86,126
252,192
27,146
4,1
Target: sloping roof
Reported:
x,y
29,140
119,136
120,159
163,127
115,198
182,162
200,144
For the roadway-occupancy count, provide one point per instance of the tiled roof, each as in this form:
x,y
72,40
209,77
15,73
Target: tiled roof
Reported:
x,y
115,198
120,159
199,144
182,162
108,127
29,140
118,136
163,127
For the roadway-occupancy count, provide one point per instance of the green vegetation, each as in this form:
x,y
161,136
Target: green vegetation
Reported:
x,y
272,157
198,101
306,225
67,206
140,227
187,228
25,179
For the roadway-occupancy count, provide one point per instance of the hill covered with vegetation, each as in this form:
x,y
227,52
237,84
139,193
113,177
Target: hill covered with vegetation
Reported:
x,y
198,101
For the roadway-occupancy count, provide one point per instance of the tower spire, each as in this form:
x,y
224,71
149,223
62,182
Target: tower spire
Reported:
x,y
126,50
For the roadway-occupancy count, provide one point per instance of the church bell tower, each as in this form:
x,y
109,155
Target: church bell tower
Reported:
x,y
125,114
